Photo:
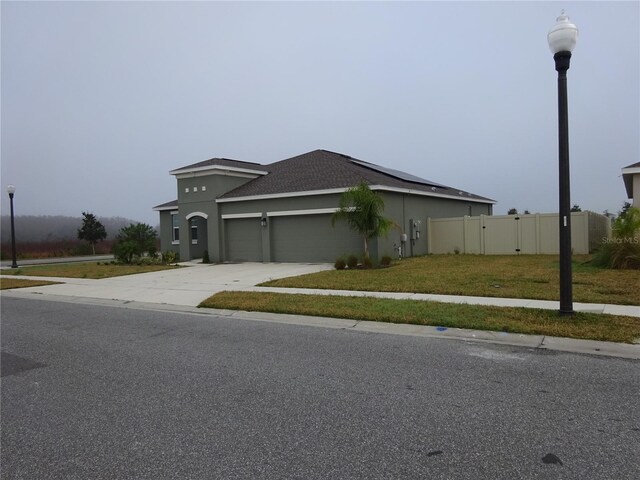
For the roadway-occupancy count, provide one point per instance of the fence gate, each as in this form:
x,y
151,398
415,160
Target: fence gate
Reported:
x,y
501,235
515,234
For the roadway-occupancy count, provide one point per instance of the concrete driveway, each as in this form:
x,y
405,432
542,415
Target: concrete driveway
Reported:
x,y
186,286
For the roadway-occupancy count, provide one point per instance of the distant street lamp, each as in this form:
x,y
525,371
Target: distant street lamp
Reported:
x,y
12,190
562,40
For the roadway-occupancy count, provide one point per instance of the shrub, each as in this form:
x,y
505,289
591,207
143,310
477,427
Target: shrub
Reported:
x,y
205,257
170,256
340,264
385,261
352,261
367,262
622,251
134,241
147,261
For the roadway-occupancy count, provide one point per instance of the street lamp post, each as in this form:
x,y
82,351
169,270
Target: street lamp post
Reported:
x,y
11,190
562,40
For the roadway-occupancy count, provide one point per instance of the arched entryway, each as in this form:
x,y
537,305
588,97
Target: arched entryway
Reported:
x,y
198,240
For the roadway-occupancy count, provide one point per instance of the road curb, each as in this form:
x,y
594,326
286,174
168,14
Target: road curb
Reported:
x,y
538,342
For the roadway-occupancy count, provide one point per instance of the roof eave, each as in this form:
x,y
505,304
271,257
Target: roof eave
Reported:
x,y
214,168
462,197
166,206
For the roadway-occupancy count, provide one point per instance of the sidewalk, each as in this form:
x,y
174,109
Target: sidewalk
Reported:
x,y
189,287
182,290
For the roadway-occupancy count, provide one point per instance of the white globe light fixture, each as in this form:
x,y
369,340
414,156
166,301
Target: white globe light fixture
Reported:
x,y
562,40
563,35
11,189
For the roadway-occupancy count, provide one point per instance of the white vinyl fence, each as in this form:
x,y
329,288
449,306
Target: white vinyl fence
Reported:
x,y
515,234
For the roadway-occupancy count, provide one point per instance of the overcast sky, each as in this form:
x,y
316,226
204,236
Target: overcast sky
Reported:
x,y
101,100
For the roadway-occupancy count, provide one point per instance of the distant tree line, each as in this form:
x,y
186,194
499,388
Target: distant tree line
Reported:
x,y
514,211
43,228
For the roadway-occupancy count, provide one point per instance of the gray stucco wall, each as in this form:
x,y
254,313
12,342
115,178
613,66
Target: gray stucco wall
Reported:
x,y
400,207
166,233
202,200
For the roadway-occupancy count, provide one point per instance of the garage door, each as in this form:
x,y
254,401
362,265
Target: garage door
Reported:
x,y
243,240
311,238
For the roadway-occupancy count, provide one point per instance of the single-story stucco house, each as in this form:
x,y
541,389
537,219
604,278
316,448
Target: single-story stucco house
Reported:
x,y
281,212
631,178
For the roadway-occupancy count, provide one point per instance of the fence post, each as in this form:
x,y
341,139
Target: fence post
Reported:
x,y
586,230
482,229
538,234
464,234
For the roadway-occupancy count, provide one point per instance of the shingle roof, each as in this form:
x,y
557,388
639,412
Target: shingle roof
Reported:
x,y
167,206
633,165
223,162
323,170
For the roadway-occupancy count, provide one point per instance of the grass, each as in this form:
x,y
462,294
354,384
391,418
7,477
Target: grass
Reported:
x,y
589,326
7,283
509,276
88,270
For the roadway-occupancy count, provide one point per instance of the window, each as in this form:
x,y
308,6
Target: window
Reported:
x,y
175,225
194,231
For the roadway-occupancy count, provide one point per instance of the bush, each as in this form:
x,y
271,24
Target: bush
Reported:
x,y
134,241
385,261
621,255
205,257
367,262
352,261
148,261
170,257
622,251
340,264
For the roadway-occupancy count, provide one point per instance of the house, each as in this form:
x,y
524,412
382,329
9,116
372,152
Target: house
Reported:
x,y
631,178
281,212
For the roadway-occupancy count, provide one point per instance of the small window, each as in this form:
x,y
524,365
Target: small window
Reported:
x,y
194,232
175,224
204,189
195,189
186,190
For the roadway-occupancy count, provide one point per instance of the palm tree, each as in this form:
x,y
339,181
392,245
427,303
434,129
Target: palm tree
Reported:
x,y
362,209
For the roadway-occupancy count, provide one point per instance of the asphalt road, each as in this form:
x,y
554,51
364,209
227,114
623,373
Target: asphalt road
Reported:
x,y
92,392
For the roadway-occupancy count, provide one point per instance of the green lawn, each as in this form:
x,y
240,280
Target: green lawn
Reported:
x,y
7,283
86,270
509,276
589,326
